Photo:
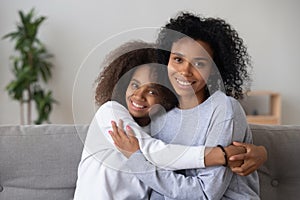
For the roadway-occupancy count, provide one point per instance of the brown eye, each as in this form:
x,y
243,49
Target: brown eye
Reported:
x,y
178,59
153,92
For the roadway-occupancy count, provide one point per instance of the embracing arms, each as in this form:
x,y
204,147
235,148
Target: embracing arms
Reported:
x,y
167,156
242,163
200,183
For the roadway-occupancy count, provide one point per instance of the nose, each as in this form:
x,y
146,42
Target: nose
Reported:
x,y
139,94
186,69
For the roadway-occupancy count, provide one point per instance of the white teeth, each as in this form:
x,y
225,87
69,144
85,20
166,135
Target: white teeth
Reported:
x,y
137,105
185,83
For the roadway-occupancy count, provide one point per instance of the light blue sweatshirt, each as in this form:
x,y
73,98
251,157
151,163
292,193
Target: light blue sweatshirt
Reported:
x,y
218,120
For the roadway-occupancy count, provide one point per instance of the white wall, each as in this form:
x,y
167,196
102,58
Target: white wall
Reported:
x,y
74,28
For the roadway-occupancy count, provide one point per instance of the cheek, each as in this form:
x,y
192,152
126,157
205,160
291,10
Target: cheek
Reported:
x,y
128,92
204,74
158,100
171,70
153,100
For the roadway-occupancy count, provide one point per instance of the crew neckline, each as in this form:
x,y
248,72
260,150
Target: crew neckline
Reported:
x,y
204,103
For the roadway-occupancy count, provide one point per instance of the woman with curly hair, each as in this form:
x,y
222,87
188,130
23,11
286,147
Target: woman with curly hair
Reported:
x,y
131,87
207,66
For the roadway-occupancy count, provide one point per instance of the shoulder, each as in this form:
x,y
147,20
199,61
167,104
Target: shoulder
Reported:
x,y
110,105
236,112
228,104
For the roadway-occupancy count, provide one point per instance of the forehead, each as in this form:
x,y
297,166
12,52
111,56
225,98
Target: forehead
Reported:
x,y
145,74
192,48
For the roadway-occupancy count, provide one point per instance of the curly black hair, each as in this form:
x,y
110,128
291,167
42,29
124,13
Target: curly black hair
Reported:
x,y
118,68
229,53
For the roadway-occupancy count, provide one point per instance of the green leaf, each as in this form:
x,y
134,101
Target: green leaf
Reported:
x,y
31,65
43,104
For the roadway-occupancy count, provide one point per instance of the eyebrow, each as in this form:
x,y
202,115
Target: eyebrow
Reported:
x,y
150,84
153,85
197,58
135,80
177,54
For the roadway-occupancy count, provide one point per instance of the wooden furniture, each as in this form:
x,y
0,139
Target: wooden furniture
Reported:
x,y
274,108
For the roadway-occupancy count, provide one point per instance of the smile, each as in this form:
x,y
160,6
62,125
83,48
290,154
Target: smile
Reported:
x,y
183,82
136,105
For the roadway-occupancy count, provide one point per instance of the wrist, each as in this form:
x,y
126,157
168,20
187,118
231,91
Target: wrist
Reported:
x,y
214,156
225,157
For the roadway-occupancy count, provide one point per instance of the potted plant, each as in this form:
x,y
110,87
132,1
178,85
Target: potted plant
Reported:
x,y
31,68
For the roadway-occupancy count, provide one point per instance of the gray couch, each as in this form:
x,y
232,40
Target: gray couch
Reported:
x,y
40,162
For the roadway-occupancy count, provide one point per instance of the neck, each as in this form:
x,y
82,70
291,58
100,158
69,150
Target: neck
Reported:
x,y
188,102
144,121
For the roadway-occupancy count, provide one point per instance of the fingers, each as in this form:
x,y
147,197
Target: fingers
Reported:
x,y
118,135
238,157
129,131
242,171
118,130
115,131
237,163
120,124
248,167
240,144
127,144
254,157
115,138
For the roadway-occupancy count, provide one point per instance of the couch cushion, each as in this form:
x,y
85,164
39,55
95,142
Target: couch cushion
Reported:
x,y
39,162
280,175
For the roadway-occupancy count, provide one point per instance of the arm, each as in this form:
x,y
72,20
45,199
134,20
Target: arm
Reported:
x,y
128,144
201,183
96,150
214,156
156,151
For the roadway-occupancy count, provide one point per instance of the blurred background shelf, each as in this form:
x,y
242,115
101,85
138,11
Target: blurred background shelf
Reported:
x,y
262,107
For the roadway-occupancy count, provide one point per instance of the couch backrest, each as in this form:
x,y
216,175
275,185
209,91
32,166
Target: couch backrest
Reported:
x,y
40,162
280,175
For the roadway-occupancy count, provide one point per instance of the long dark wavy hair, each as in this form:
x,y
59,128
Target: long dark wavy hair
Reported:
x,y
229,52
118,68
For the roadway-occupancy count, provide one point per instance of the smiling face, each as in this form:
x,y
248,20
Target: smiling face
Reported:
x,y
142,94
189,67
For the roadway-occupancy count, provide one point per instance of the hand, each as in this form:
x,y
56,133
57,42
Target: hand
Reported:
x,y
126,143
232,150
254,157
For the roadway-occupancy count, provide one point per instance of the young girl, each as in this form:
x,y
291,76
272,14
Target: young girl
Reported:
x,y
130,81
200,54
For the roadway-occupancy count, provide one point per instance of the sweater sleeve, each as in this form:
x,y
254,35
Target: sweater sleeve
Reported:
x,y
201,184
207,183
167,156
